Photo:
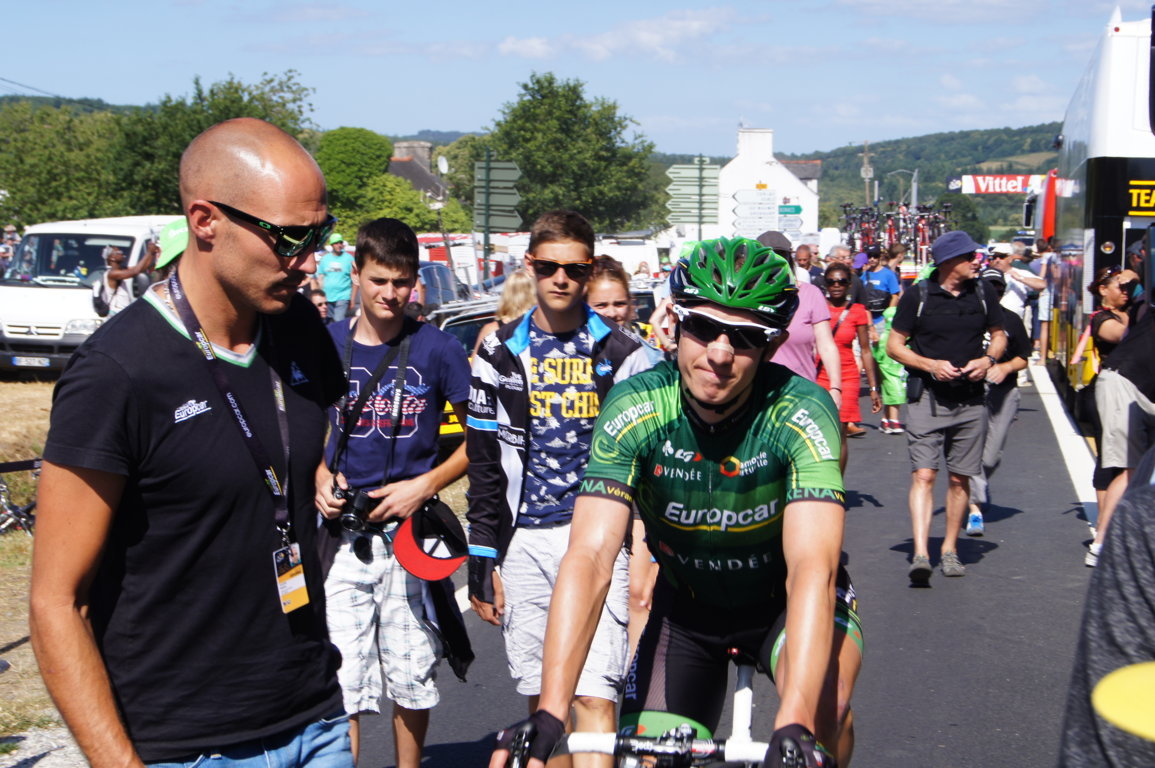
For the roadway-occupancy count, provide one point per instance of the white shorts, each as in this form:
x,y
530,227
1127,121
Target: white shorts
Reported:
x,y
528,574
1128,419
376,614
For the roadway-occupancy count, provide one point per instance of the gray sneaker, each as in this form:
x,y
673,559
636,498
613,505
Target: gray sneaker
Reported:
x,y
951,565
920,570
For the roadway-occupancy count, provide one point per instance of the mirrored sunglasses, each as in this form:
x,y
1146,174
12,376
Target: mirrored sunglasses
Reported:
x,y
291,241
706,328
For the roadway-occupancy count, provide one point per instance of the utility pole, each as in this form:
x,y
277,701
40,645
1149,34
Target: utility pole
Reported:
x,y
867,171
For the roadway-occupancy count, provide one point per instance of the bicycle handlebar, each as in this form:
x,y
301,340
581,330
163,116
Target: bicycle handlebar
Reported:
x,y
643,746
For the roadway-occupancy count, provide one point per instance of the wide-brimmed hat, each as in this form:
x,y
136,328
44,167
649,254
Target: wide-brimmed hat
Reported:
x,y
952,245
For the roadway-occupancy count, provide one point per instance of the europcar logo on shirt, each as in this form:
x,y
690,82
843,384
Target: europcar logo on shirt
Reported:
x,y
190,409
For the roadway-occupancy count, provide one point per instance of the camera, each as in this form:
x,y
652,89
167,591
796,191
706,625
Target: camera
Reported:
x,y
358,503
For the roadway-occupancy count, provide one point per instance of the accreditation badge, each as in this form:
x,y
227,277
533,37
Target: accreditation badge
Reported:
x,y
290,578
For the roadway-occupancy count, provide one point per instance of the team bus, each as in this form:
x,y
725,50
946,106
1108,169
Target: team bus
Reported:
x,y
1101,197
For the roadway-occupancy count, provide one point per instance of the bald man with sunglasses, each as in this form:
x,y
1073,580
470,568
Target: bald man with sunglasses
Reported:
x,y
536,390
177,607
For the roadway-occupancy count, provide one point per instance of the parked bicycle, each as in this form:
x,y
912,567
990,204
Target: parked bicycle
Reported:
x,y
13,516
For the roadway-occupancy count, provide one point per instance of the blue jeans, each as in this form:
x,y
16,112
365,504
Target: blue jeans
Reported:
x,y
338,310
323,744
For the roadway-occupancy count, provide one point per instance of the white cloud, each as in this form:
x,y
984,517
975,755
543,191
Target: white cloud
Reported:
x,y
950,82
526,47
961,101
659,38
950,11
307,13
1029,84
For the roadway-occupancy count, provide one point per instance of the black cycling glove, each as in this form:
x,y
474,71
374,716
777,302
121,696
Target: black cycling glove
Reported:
x,y
793,746
541,733
481,577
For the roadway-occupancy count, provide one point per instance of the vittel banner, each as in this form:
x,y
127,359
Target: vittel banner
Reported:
x,y
991,184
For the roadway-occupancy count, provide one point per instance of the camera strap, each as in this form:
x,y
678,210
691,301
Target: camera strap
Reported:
x,y
278,489
351,415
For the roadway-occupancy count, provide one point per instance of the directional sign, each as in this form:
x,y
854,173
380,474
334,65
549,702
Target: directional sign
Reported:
x,y
690,204
790,222
499,221
708,191
743,226
497,198
787,210
500,171
755,209
708,173
754,196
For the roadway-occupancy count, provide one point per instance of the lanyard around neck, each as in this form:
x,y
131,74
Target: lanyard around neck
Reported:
x,y
256,448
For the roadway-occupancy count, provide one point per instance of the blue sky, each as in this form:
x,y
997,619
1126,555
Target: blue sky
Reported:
x,y
821,74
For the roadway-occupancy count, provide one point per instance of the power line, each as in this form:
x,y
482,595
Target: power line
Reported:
x,y
31,88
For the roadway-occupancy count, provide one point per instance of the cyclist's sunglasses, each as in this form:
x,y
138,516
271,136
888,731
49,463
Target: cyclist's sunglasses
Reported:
x,y
741,335
838,281
291,241
573,270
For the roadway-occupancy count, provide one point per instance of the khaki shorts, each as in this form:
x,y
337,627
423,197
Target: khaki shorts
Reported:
x,y
933,429
1128,419
528,574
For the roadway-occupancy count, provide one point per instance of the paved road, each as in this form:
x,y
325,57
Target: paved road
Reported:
x,y
970,672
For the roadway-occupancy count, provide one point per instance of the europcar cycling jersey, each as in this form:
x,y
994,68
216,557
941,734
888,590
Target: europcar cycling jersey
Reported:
x,y
713,503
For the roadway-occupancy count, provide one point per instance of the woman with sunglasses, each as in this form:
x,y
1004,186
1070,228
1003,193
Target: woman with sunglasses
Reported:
x,y
1107,326
849,322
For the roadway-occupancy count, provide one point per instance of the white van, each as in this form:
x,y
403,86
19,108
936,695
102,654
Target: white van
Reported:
x,y
46,292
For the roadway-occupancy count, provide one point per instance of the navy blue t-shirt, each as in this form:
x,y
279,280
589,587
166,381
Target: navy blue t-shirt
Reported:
x,y
437,373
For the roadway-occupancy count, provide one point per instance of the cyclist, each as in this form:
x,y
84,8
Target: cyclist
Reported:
x,y
732,462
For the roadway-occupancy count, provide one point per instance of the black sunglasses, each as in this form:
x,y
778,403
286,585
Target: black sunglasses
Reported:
x,y
291,241
573,270
840,281
741,335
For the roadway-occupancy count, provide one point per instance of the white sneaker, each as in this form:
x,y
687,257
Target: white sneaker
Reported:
x,y
1091,559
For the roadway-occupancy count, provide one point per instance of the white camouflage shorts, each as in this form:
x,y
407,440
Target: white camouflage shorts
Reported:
x,y
376,613
528,574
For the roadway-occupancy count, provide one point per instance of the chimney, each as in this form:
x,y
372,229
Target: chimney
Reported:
x,y
756,143
420,151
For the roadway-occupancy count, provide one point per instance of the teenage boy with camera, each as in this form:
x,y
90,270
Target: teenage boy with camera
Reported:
x,y
380,467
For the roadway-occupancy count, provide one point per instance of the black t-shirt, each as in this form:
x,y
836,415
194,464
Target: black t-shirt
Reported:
x,y
184,604
1104,347
950,328
1018,345
1134,357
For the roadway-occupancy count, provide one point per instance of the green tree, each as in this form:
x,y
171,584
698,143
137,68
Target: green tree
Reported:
x,y
965,215
153,138
54,164
350,158
575,153
461,155
393,196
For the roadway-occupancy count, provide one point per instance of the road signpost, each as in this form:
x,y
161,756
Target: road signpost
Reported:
x,y
756,211
693,193
495,200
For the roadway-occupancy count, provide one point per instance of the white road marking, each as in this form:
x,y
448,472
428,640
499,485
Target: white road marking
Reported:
x,y
1076,453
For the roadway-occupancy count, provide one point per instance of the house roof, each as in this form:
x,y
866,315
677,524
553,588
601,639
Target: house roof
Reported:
x,y
417,175
805,170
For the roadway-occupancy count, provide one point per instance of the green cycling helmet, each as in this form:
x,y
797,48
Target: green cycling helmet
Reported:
x,y
737,273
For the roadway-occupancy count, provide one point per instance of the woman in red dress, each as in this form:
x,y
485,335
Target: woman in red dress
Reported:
x,y
849,322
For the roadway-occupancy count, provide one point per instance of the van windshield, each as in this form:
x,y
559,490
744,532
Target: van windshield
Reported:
x,y
64,259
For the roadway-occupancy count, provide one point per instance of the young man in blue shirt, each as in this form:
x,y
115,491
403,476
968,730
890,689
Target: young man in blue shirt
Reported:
x,y
376,609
